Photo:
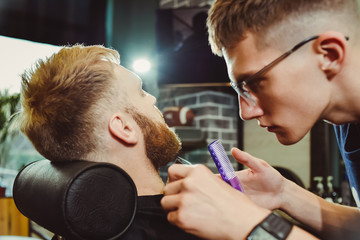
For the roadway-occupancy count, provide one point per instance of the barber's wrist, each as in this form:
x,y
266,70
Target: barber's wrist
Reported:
x,y
256,217
287,195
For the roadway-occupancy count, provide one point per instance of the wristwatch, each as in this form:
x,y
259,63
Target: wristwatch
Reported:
x,y
273,227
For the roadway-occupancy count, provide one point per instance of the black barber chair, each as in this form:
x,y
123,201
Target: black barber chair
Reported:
x,y
77,199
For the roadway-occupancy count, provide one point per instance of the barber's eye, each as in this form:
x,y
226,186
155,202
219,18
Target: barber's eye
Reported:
x,y
256,84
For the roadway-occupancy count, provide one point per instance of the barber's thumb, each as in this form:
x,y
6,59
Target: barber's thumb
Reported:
x,y
246,159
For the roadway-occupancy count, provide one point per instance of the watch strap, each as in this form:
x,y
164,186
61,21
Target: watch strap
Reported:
x,y
273,226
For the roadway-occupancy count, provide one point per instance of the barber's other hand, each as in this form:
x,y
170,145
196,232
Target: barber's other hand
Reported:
x,y
202,204
262,183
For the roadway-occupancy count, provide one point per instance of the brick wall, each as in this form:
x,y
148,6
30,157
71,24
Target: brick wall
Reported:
x,y
216,114
184,3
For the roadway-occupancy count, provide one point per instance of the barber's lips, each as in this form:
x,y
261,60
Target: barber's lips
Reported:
x,y
269,128
272,129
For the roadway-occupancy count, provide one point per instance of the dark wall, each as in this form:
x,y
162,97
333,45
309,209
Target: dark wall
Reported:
x,y
184,52
132,25
58,22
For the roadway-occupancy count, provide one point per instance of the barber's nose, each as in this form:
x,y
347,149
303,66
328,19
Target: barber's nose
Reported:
x,y
248,110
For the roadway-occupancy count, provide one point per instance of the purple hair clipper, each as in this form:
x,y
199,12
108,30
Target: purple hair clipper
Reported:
x,y
224,165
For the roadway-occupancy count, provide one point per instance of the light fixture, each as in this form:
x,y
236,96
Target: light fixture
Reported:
x,y
141,65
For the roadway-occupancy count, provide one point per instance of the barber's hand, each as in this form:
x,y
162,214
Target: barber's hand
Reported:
x,y
202,204
262,183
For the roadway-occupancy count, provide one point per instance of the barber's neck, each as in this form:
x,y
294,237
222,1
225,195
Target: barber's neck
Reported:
x,y
344,107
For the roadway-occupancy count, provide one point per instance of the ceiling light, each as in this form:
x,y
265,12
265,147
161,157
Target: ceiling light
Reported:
x,y
141,65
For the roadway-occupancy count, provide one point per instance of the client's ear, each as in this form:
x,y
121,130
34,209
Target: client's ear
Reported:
x,y
123,128
332,46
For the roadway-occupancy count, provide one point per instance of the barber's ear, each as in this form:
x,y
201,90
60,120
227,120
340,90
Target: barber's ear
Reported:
x,y
332,46
123,128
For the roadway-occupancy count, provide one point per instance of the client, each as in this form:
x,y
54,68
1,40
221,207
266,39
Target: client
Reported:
x,y
82,104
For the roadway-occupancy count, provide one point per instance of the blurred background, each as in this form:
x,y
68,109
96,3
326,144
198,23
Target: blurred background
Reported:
x,y
165,43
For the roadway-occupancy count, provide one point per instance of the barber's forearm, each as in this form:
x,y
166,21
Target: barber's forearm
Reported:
x,y
300,234
302,205
331,221
339,222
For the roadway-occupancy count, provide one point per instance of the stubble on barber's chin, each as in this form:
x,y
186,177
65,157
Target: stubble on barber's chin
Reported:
x,y
162,145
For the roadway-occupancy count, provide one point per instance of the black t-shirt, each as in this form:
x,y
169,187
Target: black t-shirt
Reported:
x,y
150,223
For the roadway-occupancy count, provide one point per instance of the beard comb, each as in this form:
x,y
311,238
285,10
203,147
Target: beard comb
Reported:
x,y
224,165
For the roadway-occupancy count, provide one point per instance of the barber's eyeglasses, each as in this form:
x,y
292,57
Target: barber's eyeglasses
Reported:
x,y
243,88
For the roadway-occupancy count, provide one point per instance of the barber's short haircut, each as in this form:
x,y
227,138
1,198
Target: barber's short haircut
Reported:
x,y
64,98
229,20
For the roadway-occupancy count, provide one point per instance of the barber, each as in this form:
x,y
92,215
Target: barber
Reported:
x,y
292,64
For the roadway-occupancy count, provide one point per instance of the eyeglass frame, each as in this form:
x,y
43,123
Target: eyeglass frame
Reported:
x,y
244,93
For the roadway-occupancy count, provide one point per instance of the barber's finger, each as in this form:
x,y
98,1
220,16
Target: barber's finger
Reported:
x,y
173,187
181,219
178,171
173,217
170,202
251,162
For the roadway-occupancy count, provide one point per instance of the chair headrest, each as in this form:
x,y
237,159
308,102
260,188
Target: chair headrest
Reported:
x,y
77,199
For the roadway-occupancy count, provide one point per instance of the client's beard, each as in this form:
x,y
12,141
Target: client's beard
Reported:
x,y
161,144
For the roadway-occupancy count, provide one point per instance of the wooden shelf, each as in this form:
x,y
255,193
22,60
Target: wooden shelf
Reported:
x,y
12,222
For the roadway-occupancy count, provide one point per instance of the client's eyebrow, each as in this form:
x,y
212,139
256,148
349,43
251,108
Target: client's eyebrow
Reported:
x,y
140,83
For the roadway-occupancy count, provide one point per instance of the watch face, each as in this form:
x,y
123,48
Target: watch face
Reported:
x,y
260,234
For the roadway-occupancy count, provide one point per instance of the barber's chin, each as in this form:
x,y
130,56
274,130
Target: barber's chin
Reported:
x,y
287,139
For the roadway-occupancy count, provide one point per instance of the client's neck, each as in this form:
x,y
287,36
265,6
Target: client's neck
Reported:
x,y
146,178
147,181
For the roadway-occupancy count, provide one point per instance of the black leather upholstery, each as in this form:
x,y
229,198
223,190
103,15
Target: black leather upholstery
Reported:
x,y
78,199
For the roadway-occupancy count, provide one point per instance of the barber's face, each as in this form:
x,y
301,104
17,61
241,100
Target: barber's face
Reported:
x,y
289,98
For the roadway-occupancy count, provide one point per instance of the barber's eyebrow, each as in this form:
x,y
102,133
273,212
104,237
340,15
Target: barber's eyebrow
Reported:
x,y
251,74
242,77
